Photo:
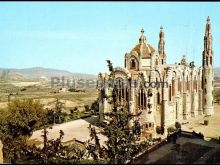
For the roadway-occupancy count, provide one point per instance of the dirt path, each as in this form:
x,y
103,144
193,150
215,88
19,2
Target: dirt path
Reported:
x,y
77,129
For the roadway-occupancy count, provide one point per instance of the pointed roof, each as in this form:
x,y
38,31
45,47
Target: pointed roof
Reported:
x,y
208,27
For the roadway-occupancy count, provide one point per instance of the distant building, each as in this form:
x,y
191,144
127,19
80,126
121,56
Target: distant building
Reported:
x,y
173,92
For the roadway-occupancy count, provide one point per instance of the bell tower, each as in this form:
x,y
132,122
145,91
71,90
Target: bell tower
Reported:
x,y
161,46
208,72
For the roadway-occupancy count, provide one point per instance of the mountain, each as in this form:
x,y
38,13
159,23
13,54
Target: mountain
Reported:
x,y
217,71
37,73
40,73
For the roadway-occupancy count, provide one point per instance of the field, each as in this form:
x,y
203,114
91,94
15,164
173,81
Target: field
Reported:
x,y
45,94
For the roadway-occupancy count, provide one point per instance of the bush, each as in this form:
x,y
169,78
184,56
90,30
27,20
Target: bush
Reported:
x,y
95,106
87,108
63,117
75,90
23,89
71,111
72,90
75,109
170,129
178,125
160,130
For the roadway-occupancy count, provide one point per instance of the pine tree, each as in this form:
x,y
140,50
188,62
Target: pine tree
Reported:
x,y
123,138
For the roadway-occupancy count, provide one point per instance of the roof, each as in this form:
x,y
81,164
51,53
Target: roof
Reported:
x,y
143,48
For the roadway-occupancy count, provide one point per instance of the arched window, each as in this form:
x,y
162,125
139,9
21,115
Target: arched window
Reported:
x,y
156,62
122,91
207,62
158,98
211,60
179,85
146,126
173,87
170,93
133,64
195,84
142,100
188,84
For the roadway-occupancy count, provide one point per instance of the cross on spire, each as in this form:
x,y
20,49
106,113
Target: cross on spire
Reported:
x,y
208,19
142,39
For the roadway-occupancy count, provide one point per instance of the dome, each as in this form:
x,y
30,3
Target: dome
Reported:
x,y
142,48
146,50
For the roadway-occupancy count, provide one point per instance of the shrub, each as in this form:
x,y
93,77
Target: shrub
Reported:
x,y
23,89
178,125
170,129
87,108
160,130
71,111
95,106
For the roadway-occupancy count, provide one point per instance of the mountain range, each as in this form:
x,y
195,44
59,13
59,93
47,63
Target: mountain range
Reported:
x,y
39,73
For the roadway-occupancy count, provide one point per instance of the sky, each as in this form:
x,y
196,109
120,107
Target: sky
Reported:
x,y
81,36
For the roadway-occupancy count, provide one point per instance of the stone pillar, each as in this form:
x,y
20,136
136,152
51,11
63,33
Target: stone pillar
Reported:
x,y
186,105
208,91
165,110
177,108
200,98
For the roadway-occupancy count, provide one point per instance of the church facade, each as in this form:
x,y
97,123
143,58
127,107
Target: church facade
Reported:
x,y
163,93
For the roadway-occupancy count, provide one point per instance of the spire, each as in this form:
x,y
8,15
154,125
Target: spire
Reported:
x,y
208,36
161,45
207,71
142,38
161,33
208,27
184,61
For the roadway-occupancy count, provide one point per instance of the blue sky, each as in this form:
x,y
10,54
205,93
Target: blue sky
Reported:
x,y
80,36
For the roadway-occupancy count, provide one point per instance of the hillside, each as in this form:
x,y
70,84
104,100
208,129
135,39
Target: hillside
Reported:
x,y
217,71
37,73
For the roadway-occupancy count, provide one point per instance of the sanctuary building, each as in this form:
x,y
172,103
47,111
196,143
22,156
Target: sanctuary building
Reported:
x,y
187,91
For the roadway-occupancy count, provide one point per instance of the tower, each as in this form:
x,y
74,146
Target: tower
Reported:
x,y
208,72
161,46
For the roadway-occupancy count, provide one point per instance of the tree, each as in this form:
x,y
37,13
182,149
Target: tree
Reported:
x,y
123,138
58,108
95,106
53,151
17,124
55,115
